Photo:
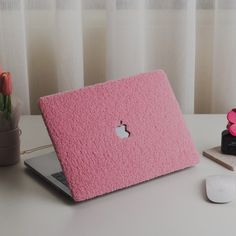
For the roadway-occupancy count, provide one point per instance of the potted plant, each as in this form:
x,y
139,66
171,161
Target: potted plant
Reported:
x,y
9,119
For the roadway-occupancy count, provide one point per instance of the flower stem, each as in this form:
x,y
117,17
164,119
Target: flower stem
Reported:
x,y
5,105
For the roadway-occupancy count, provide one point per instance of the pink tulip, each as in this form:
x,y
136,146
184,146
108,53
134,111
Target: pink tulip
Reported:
x,y
1,71
6,84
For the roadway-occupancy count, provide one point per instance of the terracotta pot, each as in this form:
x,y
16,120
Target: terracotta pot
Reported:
x,y
9,147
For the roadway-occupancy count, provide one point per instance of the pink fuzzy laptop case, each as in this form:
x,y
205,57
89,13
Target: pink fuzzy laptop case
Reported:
x,y
95,160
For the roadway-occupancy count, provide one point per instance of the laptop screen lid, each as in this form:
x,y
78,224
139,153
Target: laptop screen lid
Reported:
x,y
116,134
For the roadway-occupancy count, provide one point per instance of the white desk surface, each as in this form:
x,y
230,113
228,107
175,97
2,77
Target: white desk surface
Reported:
x,y
171,205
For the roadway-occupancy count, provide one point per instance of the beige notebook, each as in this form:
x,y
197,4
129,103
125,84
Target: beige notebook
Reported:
x,y
215,154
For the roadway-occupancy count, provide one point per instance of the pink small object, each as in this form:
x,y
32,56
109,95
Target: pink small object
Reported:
x,y
231,116
86,125
232,129
228,125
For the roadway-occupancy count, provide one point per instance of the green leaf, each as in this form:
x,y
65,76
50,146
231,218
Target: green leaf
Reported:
x,y
4,102
1,102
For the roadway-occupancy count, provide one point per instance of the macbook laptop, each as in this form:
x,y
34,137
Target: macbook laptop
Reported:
x,y
113,135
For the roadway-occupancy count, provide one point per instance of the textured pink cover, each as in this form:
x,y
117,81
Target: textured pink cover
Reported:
x,y
82,123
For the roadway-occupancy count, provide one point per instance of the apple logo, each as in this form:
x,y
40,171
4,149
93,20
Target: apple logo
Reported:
x,y
121,131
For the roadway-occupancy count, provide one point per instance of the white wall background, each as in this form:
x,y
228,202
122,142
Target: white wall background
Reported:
x,y
55,45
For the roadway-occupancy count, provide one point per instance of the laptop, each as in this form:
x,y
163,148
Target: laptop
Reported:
x,y
113,135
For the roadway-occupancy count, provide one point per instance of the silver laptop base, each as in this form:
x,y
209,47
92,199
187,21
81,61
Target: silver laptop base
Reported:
x,y
48,167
